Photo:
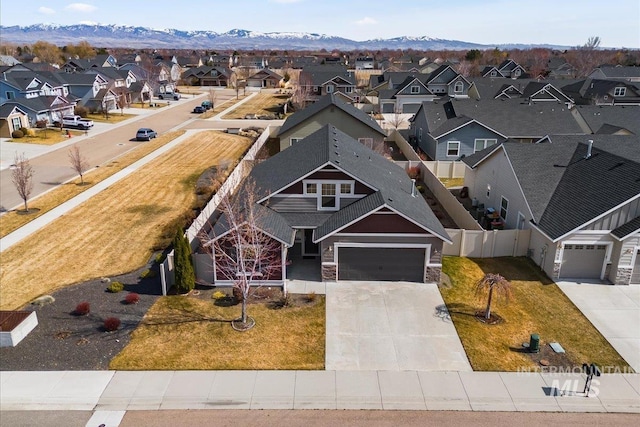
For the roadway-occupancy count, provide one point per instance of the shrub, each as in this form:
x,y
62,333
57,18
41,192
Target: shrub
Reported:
x,y
115,287
311,296
17,134
147,273
82,309
111,324
41,124
420,188
24,130
185,278
30,132
218,295
81,111
132,298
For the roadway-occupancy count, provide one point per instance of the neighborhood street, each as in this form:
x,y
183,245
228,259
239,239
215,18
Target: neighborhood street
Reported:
x,y
102,144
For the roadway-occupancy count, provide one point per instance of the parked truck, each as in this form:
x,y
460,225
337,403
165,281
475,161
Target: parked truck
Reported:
x,y
76,122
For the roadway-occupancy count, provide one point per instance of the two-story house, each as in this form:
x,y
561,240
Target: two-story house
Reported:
x,y
318,81
507,68
330,109
603,92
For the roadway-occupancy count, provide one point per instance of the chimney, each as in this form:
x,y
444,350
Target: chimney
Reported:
x,y
589,147
413,187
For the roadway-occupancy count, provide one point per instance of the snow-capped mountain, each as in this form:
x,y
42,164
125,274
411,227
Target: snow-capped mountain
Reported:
x,y
143,37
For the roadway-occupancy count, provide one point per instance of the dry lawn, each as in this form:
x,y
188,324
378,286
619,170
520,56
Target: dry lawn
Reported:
x,y
11,221
537,306
452,182
262,104
49,136
117,230
187,333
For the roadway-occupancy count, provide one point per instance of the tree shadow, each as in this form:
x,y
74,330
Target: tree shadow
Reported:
x,y
514,269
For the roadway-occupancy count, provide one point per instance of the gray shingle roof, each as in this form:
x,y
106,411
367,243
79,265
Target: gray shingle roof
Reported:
x,y
613,71
563,189
627,229
511,117
623,116
329,145
325,102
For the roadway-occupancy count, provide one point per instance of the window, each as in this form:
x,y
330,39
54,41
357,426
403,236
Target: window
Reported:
x,y
517,72
329,89
481,143
349,89
367,142
620,91
16,123
493,73
415,89
504,207
294,140
10,94
453,148
346,188
328,198
251,256
311,188
458,87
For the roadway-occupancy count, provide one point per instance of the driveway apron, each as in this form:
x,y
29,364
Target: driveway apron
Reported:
x,y
395,326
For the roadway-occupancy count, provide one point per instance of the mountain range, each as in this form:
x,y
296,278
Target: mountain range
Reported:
x,y
109,36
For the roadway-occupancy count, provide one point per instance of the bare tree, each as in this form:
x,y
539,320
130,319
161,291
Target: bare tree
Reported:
x,y
22,178
396,120
78,162
491,282
301,92
242,252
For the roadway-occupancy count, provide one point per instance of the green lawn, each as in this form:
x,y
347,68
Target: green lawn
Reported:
x,y
537,306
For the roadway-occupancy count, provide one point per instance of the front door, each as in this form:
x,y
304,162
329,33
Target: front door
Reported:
x,y
308,247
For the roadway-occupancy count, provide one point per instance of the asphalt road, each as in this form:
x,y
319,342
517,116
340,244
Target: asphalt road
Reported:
x,y
292,418
53,168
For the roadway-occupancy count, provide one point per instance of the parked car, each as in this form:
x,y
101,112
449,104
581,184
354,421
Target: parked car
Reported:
x,y
145,134
173,95
207,105
76,122
198,109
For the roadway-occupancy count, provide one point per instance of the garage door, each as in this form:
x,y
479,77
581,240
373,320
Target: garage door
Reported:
x,y
582,261
635,275
381,264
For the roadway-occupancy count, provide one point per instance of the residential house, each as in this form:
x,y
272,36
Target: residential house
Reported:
x,y
345,208
12,118
322,80
28,85
208,76
75,65
265,78
330,109
559,68
616,72
8,60
508,68
580,198
452,129
90,90
603,92
43,108
417,88
365,63
544,92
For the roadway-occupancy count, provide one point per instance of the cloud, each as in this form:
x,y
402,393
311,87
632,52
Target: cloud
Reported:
x,y
81,7
366,21
46,10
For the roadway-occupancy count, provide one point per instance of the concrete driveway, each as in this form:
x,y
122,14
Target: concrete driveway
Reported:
x,y
614,311
394,326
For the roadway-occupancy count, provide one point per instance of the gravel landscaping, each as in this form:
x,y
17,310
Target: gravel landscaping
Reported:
x,y
65,341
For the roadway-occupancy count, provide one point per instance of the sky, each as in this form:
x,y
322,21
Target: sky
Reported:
x,y
559,22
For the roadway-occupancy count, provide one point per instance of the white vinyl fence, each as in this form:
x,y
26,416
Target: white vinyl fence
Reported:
x,y
487,243
228,187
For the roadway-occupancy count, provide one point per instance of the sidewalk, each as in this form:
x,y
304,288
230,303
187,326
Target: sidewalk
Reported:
x,y
116,391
